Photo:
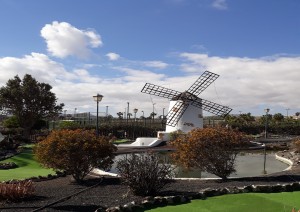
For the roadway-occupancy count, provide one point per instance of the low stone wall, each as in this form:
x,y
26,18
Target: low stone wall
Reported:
x,y
158,201
39,178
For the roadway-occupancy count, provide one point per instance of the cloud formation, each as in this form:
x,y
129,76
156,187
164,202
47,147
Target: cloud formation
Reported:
x,y
113,56
64,40
220,4
245,84
250,82
156,64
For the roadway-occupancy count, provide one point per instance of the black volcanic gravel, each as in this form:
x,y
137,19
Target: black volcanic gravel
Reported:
x,y
107,192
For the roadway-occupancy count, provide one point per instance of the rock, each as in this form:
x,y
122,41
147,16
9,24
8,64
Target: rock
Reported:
x,y
8,165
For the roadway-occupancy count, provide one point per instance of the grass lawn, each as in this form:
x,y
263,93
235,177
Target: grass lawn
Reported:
x,y
27,167
120,141
283,202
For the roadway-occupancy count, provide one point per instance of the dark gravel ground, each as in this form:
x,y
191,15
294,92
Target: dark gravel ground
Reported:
x,y
107,192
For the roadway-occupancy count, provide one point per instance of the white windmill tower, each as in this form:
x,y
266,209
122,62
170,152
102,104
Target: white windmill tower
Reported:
x,y
185,110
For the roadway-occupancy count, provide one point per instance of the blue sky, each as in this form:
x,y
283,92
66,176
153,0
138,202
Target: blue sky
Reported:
x,y
82,48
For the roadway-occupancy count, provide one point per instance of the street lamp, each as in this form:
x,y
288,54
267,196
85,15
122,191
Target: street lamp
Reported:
x,y
65,114
287,112
163,118
98,99
153,112
127,112
266,135
266,124
135,110
144,118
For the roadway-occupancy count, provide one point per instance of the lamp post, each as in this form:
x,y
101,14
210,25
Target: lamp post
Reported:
x,y
266,124
127,111
98,99
163,118
65,114
153,112
266,135
287,112
135,110
144,118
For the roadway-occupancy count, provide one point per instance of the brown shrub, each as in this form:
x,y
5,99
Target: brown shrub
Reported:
x,y
75,151
211,149
16,191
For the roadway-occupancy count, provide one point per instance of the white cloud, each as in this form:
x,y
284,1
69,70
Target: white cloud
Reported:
x,y
245,84
36,64
135,75
65,40
113,56
220,4
249,82
156,64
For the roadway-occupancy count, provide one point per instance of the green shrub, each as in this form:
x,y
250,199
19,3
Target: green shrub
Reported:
x,y
144,174
75,151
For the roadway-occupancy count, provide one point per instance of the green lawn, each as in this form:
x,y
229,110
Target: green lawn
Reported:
x,y
283,202
120,141
27,167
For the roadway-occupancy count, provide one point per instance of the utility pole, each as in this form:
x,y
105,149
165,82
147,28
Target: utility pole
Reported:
x,y
287,112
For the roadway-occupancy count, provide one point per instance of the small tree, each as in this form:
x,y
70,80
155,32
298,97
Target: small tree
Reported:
x,y
278,117
75,151
29,101
120,115
212,149
11,122
144,174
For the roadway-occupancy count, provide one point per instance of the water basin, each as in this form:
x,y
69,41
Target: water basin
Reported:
x,y
247,165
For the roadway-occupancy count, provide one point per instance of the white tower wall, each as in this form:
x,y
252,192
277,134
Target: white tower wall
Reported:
x,y
192,118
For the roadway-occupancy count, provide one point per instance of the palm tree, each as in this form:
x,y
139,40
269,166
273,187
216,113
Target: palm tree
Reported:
x,y
120,115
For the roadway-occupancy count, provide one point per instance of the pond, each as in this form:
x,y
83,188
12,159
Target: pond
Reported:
x,y
247,165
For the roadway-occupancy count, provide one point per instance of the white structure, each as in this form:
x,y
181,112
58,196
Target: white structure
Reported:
x,y
143,142
185,110
192,118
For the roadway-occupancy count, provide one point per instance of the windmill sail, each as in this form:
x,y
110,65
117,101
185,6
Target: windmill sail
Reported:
x,y
159,91
202,83
176,112
185,99
212,107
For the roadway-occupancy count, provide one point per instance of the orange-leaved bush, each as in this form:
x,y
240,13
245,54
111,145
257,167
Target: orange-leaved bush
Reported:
x,y
211,149
75,151
296,143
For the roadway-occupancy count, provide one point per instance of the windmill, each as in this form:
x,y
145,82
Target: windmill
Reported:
x,y
185,110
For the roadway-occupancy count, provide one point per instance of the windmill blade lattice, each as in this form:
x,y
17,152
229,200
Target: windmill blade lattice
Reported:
x,y
159,91
212,107
202,82
176,112
186,98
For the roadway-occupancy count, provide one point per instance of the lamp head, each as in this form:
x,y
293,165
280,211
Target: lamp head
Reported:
x,y
98,97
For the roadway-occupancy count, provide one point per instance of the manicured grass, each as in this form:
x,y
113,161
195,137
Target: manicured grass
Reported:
x,y
120,141
27,167
283,202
